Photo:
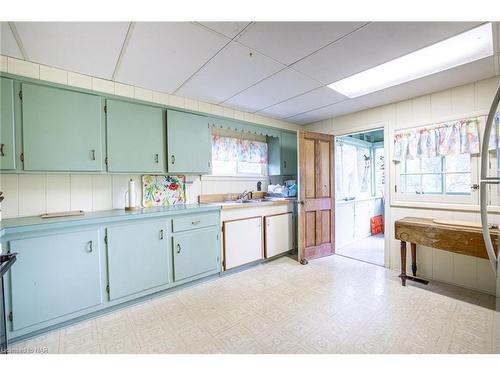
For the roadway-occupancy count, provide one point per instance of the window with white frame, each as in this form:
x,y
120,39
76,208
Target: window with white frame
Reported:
x,y
238,156
438,163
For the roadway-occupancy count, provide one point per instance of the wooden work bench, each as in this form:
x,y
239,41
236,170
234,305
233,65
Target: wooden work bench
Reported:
x,y
461,239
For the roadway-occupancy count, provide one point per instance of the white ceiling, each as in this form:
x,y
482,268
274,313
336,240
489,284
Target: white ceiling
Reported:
x,y
276,69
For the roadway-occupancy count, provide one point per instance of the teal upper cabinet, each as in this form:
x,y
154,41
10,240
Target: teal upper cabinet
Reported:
x,y
62,129
188,143
283,154
195,253
55,275
138,257
7,143
135,137
289,153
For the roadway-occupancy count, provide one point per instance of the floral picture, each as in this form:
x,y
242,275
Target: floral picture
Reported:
x,y
159,191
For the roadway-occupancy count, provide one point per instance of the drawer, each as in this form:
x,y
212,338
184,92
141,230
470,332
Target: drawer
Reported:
x,y
194,222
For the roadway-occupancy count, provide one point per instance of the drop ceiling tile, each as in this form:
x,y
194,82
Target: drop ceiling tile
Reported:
x,y
474,71
229,29
162,55
337,109
373,45
314,99
280,86
8,45
85,47
234,69
288,42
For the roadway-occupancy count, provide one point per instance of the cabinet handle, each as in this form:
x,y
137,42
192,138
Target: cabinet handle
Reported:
x,y
172,158
178,248
1,149
90,246
196,222
92,154
156,158
161,234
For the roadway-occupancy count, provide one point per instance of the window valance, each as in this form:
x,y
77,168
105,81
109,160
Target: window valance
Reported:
x,y
235,149
453,138
246,128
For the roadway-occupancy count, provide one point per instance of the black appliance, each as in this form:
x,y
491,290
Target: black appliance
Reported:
x,y
6,261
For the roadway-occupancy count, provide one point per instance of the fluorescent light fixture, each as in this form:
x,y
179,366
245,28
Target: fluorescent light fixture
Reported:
x,y
461,49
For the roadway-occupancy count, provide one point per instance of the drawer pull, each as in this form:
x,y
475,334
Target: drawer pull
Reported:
x,y
196,222
161,234
178,248
90,246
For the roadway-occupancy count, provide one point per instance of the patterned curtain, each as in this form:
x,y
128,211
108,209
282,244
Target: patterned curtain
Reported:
x,y
235,149
494,141
459,137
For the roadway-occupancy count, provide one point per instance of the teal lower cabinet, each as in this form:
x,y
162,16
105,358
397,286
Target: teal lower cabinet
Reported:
x,y
196,252
69,269
55,275
138,257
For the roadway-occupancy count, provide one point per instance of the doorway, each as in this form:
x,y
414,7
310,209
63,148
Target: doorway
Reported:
x,y
359,192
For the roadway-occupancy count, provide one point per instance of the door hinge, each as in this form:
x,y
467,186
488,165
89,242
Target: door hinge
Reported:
x,y
106,239
106,160
105,109
107,289
217,237
21,156
11,317
395,188
21,94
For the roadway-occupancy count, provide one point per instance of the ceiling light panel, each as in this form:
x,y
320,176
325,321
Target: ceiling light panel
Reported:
x,y
461,49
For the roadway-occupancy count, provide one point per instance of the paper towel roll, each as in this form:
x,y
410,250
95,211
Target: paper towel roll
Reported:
x,y
131,193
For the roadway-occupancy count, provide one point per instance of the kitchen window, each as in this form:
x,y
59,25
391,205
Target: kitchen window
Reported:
x,y
233,156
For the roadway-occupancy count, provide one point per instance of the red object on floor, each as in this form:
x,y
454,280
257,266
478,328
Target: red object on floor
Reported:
x,y
377,224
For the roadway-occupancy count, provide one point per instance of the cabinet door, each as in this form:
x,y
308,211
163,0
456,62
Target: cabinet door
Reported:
x,y
135,137
289,153
195,252
55,275
188,143
279,234
138,258
274,156
62,130
7,143
242,241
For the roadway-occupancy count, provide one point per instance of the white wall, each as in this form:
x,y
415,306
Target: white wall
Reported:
x,y
463,101
33,194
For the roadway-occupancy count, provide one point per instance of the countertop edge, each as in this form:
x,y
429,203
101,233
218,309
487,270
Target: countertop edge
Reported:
x,y
95,218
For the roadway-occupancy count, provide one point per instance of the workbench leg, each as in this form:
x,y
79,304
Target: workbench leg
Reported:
x,y
403,263
414,259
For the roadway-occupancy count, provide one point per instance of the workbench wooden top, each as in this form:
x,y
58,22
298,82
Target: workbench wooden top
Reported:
x,y
459,239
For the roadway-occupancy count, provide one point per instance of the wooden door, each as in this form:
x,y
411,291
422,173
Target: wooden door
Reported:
x,y
62,129
135,137
317,200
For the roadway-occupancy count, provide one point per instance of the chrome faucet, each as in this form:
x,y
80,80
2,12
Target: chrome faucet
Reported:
x,y
245,193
